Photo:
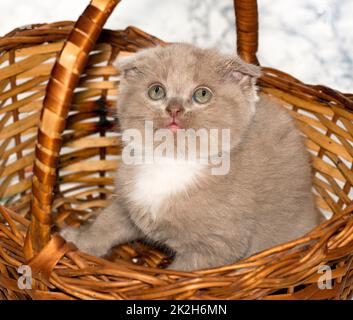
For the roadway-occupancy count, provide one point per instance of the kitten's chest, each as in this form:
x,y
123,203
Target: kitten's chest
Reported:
x,y
154,186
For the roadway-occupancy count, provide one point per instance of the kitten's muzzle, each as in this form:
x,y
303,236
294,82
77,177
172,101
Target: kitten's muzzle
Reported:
x,y
175,109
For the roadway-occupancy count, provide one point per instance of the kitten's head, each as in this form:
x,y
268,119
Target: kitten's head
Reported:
x,y
182,86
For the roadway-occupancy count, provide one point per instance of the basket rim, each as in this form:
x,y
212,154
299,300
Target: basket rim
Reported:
x,y
257,276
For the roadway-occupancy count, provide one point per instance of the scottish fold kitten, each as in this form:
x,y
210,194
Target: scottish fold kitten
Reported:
x,y
209,219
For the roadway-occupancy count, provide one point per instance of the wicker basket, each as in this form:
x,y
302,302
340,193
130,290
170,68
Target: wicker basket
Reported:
x,y
58,149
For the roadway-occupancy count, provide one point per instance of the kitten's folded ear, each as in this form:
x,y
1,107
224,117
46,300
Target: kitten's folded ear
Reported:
x,y
128,66
242,73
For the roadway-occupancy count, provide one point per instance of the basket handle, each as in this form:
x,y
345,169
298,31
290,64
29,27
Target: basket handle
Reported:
x,y
247,26
64,78
59,92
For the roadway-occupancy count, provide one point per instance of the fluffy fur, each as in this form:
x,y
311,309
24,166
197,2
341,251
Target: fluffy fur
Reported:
x,y
208,220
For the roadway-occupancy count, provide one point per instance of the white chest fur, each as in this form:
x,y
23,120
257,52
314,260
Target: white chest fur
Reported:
x,y
155,183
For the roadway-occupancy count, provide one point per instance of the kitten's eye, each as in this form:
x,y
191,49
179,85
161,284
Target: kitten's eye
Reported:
x,y
202,95
156,92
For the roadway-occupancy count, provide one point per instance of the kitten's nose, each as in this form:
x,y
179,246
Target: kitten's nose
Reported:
x,y
175,109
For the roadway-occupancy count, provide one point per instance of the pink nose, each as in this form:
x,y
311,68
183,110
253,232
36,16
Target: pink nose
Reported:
x,y
174,110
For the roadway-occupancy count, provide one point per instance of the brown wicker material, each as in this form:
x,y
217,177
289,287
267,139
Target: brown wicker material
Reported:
x,y
62,173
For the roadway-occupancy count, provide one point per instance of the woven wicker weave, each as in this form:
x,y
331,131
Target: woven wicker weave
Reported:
x,y
58,149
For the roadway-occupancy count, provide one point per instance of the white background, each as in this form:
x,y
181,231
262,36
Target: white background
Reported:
x,y
310,39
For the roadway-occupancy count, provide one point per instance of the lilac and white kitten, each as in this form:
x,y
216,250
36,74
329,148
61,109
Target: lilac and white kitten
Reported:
x,y
208,220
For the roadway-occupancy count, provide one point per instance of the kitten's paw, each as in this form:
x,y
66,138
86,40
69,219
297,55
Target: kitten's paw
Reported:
x,y
85,243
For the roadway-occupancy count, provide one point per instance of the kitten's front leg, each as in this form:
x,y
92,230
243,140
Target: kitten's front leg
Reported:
x,y
110,228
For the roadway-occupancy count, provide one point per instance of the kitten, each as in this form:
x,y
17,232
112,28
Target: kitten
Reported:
x,y
209,220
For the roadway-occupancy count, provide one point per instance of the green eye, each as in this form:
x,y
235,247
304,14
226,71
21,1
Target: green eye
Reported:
x,y
156,92
202,95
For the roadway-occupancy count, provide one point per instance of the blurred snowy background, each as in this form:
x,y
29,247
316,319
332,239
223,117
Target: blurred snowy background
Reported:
x,y
310,39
